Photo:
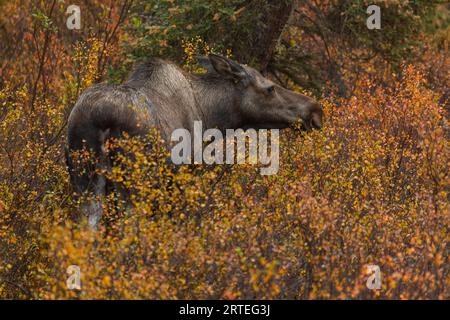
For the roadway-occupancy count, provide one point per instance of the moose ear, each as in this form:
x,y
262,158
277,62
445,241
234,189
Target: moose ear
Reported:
x,y
205,63
228,68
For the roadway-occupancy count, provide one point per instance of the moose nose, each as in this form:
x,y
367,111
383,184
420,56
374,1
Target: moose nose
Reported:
x,y
315,118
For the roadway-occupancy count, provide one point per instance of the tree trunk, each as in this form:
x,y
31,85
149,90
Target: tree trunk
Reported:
x,y
265,39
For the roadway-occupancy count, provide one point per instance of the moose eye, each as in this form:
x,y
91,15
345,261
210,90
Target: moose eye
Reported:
x,y
271,89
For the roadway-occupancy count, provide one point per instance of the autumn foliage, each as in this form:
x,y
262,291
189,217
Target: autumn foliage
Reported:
x,y
370,188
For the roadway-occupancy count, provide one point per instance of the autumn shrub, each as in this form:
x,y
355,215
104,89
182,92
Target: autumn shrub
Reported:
x,y
370,188
43,70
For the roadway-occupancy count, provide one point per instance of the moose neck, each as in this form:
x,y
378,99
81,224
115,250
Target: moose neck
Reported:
x,y
217,100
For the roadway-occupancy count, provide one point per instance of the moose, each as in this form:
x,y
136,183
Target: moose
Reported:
x,y
160,95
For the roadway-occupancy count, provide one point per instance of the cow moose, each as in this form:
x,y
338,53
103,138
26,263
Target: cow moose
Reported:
x,y
161,95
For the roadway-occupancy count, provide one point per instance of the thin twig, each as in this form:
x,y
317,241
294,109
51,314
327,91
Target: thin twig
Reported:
x,y
42,59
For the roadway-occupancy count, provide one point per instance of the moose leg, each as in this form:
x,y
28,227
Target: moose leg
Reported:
x,y
92,208
87,173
